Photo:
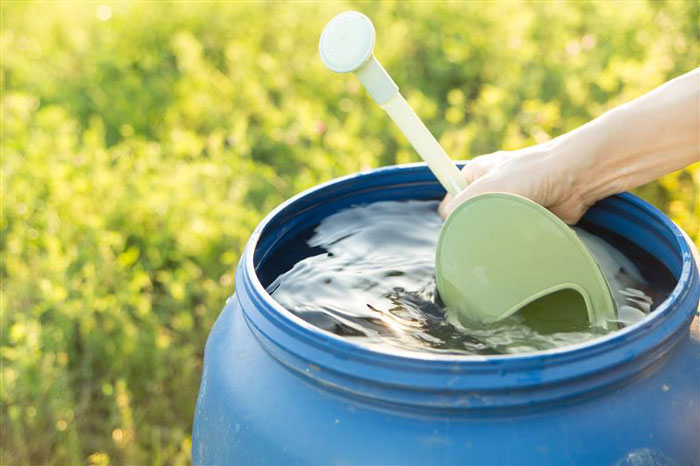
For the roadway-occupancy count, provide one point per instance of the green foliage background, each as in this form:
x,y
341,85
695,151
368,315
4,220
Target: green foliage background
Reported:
x,y
139,152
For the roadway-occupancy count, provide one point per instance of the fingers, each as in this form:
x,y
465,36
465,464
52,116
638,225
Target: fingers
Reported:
x,y
442,208
479,166
569,211
472,170
528,173
479,186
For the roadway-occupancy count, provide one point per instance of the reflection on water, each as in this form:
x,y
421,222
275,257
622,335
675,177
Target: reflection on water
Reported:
x,y
375,283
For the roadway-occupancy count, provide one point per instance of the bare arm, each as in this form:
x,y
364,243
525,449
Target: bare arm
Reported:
x,y
626,147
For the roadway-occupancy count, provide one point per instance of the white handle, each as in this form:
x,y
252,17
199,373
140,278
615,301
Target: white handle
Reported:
x,y
425,144
377,81
345,46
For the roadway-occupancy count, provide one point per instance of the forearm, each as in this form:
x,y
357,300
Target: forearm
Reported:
x,y
637,142
626,147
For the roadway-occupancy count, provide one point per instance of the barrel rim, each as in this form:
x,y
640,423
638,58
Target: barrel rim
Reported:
x,y
311,346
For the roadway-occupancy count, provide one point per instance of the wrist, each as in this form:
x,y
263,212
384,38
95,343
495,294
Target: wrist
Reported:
x,y
583,155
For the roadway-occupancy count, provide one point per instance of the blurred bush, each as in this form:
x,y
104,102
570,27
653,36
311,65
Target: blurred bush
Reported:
x,y
142,142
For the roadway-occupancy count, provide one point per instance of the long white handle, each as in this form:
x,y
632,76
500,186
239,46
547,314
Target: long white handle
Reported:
x,y
385,92
425,144
345,46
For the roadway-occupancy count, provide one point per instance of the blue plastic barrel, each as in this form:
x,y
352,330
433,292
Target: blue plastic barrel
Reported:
x,y
277,390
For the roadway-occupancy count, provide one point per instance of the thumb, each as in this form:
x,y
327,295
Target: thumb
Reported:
x,y
480,185
471,171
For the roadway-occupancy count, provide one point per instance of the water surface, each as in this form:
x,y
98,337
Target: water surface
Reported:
x,y
374,282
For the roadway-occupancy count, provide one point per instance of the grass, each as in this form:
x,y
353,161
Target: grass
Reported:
x,y
142,142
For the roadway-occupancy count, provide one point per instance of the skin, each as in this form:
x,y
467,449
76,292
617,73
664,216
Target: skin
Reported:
x,y
626,147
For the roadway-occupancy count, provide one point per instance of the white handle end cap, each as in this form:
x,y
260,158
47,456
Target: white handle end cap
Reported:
x,y
347,42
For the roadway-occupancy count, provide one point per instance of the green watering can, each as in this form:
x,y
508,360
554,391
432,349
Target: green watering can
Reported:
x,y
500,253
497,253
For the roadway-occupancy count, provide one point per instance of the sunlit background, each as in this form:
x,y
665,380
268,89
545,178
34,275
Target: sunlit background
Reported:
x,y
142,142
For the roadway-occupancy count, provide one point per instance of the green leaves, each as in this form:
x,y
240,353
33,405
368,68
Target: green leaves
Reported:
x,y
140,149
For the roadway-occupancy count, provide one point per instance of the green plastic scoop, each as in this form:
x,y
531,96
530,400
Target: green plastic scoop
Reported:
x,y
497,253
501,253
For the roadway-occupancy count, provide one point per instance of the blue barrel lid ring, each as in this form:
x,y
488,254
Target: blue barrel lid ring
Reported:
x,y
461,382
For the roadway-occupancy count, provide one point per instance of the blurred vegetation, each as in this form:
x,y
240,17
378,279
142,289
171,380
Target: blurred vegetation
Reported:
x,y
142,142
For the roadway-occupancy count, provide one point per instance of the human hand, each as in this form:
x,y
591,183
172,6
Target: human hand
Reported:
x,y
625,147
547,174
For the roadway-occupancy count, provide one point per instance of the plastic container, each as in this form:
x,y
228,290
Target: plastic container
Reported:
x,y
277,390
